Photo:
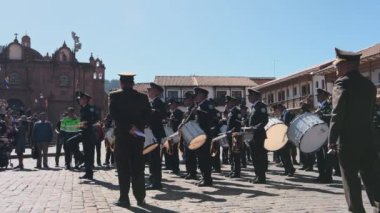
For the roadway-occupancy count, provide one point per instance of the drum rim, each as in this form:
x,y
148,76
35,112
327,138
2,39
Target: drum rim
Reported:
x,y
149,146
286,134
197,147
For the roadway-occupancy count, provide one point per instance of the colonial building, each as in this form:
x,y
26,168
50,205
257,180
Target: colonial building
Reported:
x,y
218,86
302,86
48,83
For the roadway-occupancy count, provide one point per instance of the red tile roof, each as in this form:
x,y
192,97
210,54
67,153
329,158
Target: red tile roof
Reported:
x,y
209,81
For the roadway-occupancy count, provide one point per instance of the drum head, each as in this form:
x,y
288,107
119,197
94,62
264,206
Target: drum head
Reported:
x,y
149,148
314,138
197,142
276,137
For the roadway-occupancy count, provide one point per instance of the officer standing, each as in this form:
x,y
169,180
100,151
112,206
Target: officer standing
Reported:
x,y
257,119
190,155
286,116
233,125
157,116
205,118
88,118
324,112
175,118
130,110
351,130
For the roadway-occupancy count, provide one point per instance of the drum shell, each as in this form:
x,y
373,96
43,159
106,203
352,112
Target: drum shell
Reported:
x,y
308,132
150,142
222,140
194,137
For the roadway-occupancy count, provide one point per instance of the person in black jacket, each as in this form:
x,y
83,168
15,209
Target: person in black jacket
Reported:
x,y
257,119
130,111
286,116
351,131
175,119
157,116
233,125
205,118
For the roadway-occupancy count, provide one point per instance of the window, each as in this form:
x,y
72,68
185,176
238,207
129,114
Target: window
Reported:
x,y
14,79
270,98
100,75
173,94
323,84
64,81
281,95
304,90
287,93
316,84
237,94
294,91
95,76
378,79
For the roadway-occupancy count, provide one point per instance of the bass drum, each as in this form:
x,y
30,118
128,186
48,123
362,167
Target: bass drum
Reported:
x,y
276,134
308,132
150,141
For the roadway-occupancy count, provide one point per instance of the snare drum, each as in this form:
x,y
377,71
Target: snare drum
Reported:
x,y
150,141
193,135
222,140
308,132
276,134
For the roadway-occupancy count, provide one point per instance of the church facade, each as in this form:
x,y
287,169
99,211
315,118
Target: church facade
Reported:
x,y
48,83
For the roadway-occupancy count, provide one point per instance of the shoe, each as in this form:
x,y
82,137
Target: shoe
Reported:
x,y
68,167
326,180
123,203
153,187
141,202
303,168
175,172
317,180
38,167
19,167
191,177
309,169
204,183
230,174
86,176
244,166
46,167
235,175
56,165
106,164
260,181
296,162
291,173
216,171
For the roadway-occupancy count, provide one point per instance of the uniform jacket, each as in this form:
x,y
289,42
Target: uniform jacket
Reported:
x,y
287,117
234,120
324,111
354,99
157,116
129,107
89,115
258,118
205,116
175,119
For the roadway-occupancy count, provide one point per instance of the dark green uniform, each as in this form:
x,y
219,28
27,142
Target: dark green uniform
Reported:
x,y
89,116
351,129
129,108
258,118
234,125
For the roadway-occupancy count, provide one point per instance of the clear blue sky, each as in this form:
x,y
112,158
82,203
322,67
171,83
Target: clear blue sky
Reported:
x,y
202,37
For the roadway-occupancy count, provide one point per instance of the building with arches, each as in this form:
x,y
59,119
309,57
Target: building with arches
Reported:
x,y
29,80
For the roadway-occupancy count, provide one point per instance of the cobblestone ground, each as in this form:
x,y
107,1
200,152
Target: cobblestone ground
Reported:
x,y
59,190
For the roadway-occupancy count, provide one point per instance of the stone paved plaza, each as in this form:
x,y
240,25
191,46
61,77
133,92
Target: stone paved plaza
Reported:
x,y
59,190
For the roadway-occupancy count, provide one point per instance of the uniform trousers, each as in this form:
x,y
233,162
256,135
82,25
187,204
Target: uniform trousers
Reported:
x,y
259,157
324,167
215,160
361,159
155,166
130,164
286,160
204,157
191,161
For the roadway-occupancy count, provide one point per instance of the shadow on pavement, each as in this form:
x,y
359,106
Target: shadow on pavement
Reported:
x,y
224,190
107,185
175,193
149,208
298,187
